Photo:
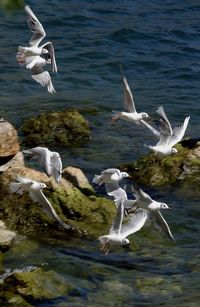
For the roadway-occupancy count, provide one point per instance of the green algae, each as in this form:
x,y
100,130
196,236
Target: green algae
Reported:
x,y
64,128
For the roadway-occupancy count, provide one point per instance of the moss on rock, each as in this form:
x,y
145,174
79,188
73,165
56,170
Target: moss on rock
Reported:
x,y
56,128
33,286
87,214
183,167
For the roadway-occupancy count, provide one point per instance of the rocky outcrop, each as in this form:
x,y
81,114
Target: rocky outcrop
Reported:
x,y
9,146
74,201
56,128
6,236
183,167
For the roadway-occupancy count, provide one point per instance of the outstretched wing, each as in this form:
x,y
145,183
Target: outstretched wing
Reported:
x,y
128,97
179,132
49,47
136,222
56,166
162,224
117,222
35,27
42,77
153,130
48,208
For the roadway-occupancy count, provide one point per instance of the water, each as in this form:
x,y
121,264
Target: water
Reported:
x,y
158,44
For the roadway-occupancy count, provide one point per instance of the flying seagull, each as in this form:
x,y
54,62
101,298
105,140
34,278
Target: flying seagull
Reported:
x,y
35,191
49,160
168,137
119,232
38,35
130,114
152,207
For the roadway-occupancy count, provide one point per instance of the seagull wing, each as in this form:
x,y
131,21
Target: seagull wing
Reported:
x,y
162,224
179,132
117,222
111,171
47,206
56,166
153,130
35,27
42,77
136,222
128,97
139,193
49,47
165,126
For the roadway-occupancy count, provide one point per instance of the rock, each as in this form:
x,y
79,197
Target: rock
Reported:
x,y
15,160
9,144
88,215
77,177
6,236
56,128
36,285
183,167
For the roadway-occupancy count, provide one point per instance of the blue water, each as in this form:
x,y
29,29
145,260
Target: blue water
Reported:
x,y
158,44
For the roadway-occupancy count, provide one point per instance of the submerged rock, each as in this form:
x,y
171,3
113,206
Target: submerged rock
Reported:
x,y
30,287
56,128
183,167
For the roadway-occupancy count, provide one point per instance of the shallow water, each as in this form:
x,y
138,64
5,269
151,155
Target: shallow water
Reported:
x,y
158,44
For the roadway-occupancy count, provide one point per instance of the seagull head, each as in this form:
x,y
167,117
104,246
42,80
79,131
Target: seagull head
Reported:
x,y
42,185
144,115
164,206
173,150
124,174
125,241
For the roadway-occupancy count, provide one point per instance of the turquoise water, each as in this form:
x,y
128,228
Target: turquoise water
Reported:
x,y
158,44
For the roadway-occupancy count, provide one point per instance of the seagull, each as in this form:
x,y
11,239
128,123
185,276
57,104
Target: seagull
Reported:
x,y
49,160
168,137
38,35
35,191
119,232
152,207
111,178
35,64
130,114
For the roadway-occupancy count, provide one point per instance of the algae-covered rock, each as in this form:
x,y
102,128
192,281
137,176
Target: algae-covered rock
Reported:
x,y
56,128
183,166
33,286
86,213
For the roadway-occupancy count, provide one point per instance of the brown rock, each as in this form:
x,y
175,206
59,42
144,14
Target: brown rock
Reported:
x,y
9,144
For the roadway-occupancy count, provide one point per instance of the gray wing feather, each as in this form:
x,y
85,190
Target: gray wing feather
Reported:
x,y
117,222
136,222
138,192
153,130
48,208
128,97
162,224
165,126
44,79
35,27
50,49
56,166
178,132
